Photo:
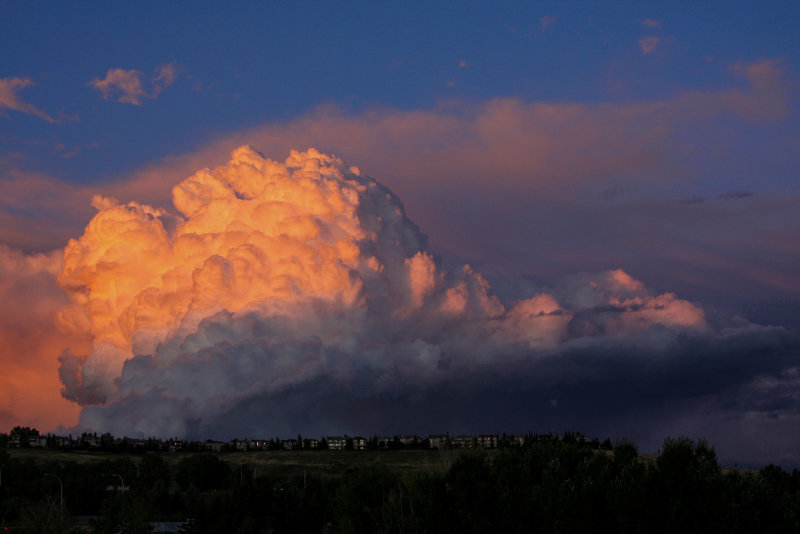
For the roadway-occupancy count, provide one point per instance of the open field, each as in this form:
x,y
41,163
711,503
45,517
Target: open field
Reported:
x,y
292,463
277,463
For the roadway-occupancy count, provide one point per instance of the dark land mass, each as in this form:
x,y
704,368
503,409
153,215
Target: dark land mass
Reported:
x,y
282,463
550,486
271,463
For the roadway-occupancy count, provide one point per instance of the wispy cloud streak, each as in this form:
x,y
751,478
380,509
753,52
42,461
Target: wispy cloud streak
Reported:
x,y
9,99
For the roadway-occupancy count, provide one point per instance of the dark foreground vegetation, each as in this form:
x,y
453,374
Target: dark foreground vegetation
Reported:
x,y
538,487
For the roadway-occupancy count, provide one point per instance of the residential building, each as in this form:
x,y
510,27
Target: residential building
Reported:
x,y
437,441
462,442
487,441
411,440
214,446
259,445
337,443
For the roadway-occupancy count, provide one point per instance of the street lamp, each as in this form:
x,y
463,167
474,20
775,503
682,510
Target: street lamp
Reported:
x,y
61,485
120,479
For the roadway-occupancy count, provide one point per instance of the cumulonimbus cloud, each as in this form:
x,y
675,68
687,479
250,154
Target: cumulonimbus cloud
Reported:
x,y
275,275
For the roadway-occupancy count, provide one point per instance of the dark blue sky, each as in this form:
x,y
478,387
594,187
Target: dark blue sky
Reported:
x,y
240,66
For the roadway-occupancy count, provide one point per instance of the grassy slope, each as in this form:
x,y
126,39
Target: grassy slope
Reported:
x,y
276,463
288,463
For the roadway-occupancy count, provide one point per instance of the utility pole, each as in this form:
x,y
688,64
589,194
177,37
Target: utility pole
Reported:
x,y
61,486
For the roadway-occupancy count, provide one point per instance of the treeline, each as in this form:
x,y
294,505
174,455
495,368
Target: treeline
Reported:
x,y
548,486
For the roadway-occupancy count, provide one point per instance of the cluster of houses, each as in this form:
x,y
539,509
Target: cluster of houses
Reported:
x,y
27,437
359,443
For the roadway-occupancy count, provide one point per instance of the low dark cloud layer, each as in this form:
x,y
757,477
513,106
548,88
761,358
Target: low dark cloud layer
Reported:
x,y
738,388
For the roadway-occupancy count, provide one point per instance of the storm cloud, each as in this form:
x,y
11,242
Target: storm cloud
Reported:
x,y
298,297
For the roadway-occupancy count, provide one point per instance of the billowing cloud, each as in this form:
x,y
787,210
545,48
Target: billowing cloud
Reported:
x,y
651,23
277,275
9,99
648,44
126,85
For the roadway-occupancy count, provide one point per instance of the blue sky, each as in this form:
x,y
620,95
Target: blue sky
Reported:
x,y
240,66
675,75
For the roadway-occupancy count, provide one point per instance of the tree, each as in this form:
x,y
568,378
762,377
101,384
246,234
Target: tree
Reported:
x,y
625,453
122,513
205,472
152,469
22,434
44,517
685,481
361,497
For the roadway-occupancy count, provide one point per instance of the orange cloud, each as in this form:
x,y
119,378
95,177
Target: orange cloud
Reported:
x,y
164,76
126,85
648,44
545,22
636,309
9,87
31,341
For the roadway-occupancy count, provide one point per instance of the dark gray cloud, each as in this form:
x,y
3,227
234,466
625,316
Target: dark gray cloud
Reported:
x,y
647,387
736,195
780,311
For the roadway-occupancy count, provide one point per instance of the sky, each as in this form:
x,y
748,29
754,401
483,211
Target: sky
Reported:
x,y
273,218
